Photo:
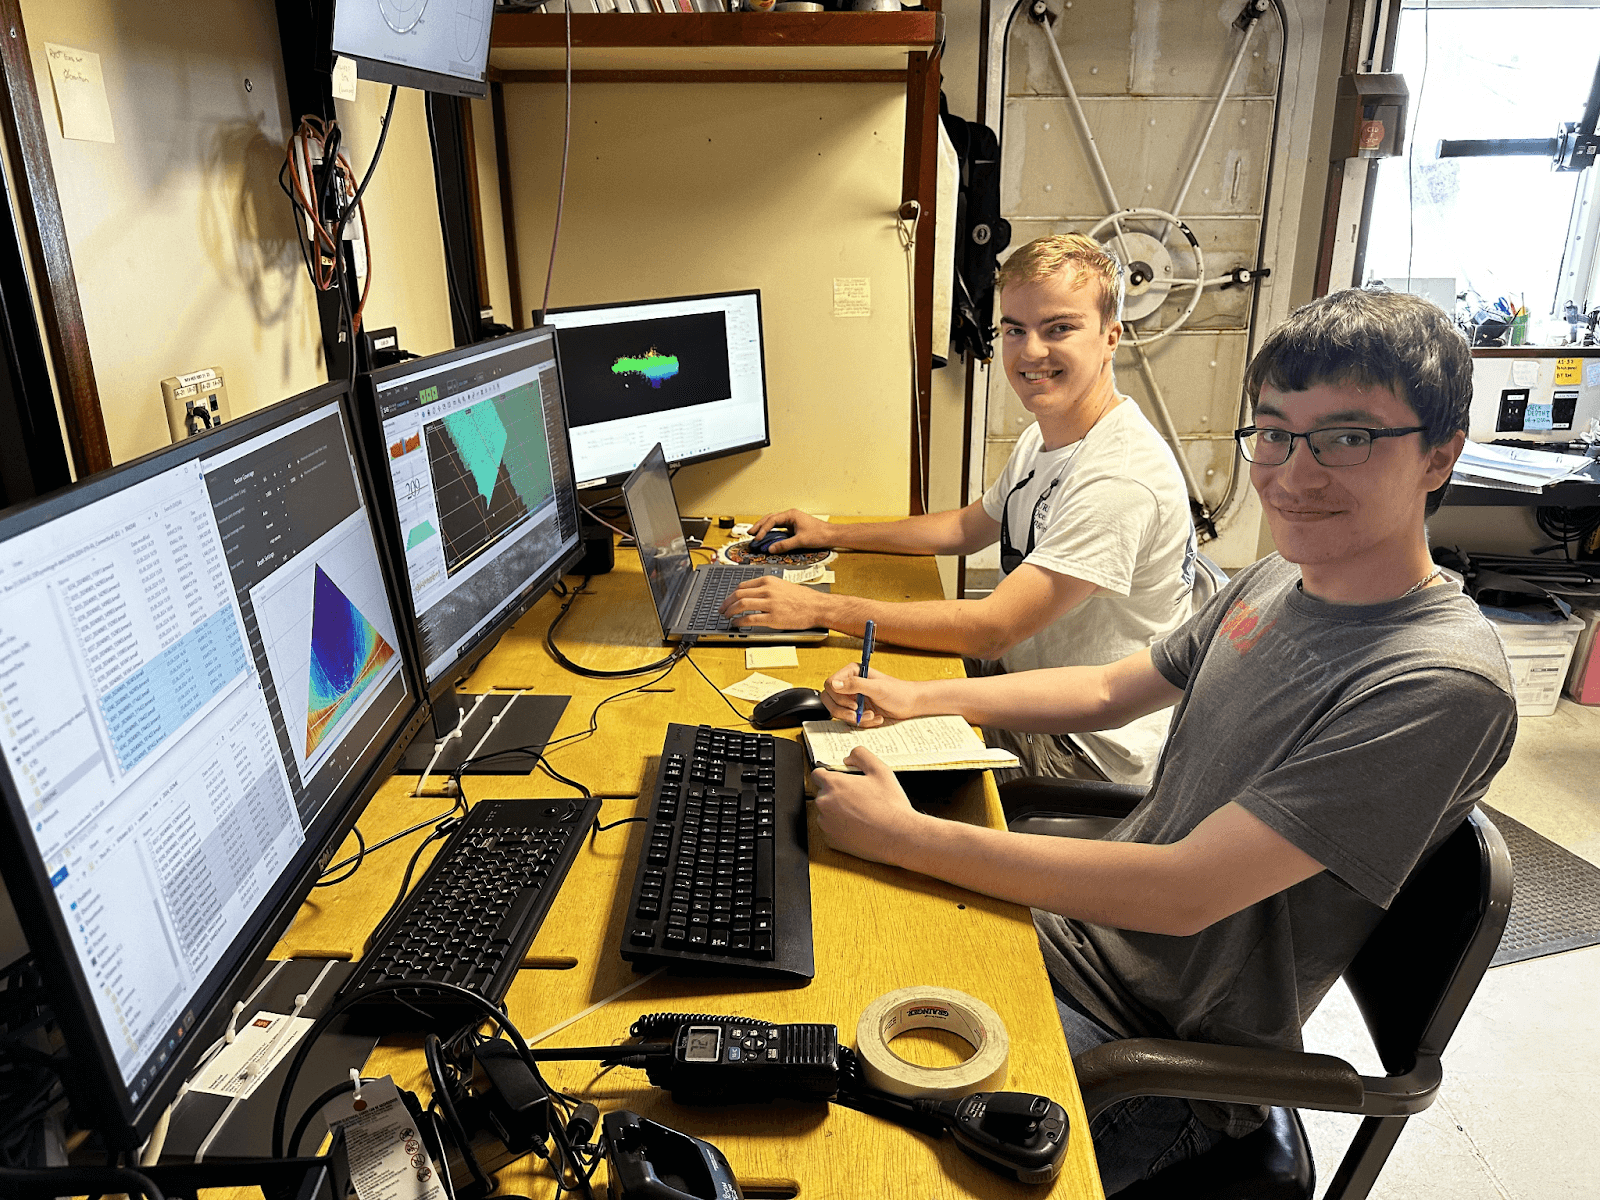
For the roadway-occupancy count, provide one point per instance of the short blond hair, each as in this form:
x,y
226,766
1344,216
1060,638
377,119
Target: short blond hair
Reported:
x,y
1084,257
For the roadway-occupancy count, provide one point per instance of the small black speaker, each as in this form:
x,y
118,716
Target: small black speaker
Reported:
x,y
599,552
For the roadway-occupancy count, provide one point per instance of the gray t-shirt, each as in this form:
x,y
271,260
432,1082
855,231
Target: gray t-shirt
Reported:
x,y
1363,734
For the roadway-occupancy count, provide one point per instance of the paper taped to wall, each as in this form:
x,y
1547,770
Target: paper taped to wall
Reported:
x,y
80,94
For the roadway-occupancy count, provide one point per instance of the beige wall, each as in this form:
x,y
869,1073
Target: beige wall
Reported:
x,y
682,188
181,241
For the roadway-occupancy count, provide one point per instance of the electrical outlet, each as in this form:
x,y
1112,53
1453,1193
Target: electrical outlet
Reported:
x,y
195,402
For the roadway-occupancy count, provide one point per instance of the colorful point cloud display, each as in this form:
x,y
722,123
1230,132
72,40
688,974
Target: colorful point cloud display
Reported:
x,y
347,654
656,367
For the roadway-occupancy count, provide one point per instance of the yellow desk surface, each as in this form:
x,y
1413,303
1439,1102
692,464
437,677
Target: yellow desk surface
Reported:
x,y
876,928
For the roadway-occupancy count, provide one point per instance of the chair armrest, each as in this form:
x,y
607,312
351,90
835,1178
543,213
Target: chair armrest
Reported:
x,y
1121,1070
1040,794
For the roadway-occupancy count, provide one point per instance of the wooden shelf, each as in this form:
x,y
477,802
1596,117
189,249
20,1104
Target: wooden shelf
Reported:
x,y
717,42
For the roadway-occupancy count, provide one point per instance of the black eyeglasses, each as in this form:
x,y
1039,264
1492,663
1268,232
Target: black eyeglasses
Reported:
x,y
1346,446
1010,557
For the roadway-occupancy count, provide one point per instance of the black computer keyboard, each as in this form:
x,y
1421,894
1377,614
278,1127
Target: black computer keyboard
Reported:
x,y
474,912
724,883
719,584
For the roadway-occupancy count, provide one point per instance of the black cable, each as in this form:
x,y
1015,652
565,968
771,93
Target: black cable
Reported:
x,y
562,743
384,988
355,860
742,716
679,651
599,828
1566,526
439,831
447,1104
395,837
315,1107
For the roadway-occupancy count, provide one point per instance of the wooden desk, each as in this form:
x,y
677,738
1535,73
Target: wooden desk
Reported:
x,y
876,928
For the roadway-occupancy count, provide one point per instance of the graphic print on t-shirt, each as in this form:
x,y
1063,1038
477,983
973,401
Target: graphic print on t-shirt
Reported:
x,y
1243,626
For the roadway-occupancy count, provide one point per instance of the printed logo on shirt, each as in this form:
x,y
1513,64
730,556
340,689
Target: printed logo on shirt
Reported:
x,y
1244,627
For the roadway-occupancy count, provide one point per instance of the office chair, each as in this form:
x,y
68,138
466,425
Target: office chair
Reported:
x,y
1411,980
1209,579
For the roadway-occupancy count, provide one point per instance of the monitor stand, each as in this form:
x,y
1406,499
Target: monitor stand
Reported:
x,y
471,726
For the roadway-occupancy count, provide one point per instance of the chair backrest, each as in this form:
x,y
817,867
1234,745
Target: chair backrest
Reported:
x,y
1209,579
1418,969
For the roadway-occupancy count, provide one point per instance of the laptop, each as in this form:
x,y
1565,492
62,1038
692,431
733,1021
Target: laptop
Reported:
x,y
687,597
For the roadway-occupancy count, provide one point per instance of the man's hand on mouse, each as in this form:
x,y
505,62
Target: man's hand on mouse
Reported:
x,y
866,815
774,604
888,698
809,533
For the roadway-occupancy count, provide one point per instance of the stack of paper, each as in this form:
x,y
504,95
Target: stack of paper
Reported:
x,y
1517,470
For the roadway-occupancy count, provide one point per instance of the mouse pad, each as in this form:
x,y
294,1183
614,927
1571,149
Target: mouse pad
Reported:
x,y
740,555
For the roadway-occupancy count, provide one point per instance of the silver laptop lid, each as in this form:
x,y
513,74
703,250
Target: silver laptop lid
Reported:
x,y
658,530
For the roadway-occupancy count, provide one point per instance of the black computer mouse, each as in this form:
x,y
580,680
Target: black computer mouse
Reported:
x,y
770,538
784,709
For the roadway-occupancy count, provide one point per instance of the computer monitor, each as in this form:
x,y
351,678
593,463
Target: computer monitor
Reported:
x,y
475,482
438,47
201,685
689,373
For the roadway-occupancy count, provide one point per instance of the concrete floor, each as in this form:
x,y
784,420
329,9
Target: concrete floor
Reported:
x,y
1518,1116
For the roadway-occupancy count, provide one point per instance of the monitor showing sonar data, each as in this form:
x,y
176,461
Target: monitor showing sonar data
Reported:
x,y
688,373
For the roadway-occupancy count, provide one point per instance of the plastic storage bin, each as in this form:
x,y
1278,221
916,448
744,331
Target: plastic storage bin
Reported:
x,y
1539,656
1583,678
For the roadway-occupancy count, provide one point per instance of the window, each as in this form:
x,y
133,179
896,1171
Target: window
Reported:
x,y
1488,226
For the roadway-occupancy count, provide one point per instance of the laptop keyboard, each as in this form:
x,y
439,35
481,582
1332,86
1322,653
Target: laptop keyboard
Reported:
x,y
704,617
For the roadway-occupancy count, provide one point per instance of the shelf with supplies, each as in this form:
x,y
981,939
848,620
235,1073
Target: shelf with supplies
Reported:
x,y
531,47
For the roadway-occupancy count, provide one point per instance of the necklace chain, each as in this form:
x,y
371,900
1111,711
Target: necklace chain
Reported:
x,y
1420,584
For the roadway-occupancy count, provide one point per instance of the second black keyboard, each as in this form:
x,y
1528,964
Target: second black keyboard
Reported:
x,y
473,914
724,881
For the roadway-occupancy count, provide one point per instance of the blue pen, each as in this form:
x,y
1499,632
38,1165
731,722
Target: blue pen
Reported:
x,y
866,658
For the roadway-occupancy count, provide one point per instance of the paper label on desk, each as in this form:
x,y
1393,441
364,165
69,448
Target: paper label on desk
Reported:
x,y
804,575
387,1158
239,1067
1539,417
757,657
344,78
1525,372
80,94
756,687
852,297
1591,372
1569,372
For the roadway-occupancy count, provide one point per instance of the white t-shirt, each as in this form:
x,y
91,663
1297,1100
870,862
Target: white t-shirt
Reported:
x,y
1111,510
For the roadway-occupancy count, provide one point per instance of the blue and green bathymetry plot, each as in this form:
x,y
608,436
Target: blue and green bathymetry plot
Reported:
x,y
655,366
347,654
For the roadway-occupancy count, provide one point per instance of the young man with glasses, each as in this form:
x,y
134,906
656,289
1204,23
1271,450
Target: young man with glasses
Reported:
x,y
1340,708
1096,542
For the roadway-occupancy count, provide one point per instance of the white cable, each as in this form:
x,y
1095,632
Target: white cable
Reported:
x,y
438,751
908,242
300,1001
606,523
595,1007
493,721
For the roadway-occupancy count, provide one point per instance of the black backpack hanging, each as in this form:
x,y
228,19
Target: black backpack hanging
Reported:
x,y
981,234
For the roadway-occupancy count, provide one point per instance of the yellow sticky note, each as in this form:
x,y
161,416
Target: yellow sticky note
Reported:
x,y
1569,372
80,94
757,657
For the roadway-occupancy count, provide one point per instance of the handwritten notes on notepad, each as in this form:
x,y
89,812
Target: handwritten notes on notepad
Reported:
x,y
920,744
80,94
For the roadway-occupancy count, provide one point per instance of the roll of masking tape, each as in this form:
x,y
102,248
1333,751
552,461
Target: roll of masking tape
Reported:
x,y
971,1020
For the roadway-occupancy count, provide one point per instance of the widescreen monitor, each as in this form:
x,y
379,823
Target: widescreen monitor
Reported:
x,y
477,491
689,373
435,45
202,682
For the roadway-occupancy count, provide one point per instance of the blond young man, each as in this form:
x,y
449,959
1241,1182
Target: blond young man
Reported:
x,y
1339,709
1096,541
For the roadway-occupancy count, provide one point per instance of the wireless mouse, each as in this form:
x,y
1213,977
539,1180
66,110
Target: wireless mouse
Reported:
x,y
770,538
787,708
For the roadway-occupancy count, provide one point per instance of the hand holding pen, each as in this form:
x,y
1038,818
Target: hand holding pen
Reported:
x,y
866,659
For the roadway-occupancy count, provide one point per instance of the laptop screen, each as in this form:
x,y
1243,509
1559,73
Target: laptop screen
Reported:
x,y
657,528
